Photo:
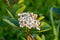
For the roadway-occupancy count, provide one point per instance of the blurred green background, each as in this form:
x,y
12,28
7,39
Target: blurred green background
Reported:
x,y
40,7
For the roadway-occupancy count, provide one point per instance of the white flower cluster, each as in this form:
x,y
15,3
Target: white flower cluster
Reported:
x,y
28,20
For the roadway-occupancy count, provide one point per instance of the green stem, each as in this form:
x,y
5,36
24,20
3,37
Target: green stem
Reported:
x,y
53,25
7,1
27,31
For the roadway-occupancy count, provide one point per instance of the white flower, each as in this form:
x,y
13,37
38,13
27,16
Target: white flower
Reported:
x,y
21,24
28,26
29,20
37,28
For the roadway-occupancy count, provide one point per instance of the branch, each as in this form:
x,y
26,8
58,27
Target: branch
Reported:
x,y
7,1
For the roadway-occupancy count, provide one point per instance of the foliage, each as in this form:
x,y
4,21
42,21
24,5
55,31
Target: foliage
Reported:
x,y
9,25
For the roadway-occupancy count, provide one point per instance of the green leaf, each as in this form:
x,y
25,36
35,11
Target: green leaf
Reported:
x,y
14,8
20,10
38,37
23,38
14,21
43,37
10,13
9,22
43,27
20,1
